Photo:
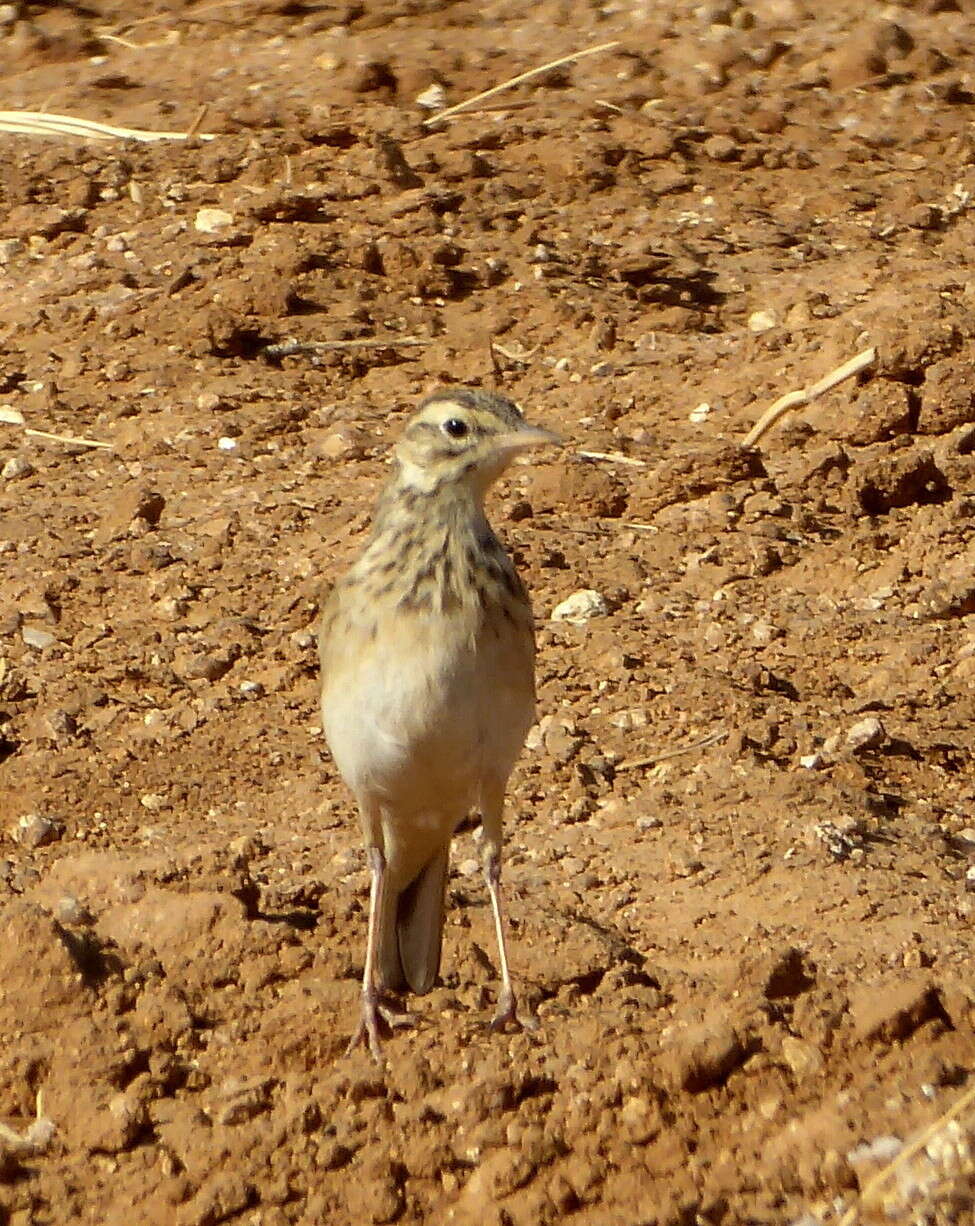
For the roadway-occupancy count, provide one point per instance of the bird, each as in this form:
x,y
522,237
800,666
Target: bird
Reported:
x,y
427,654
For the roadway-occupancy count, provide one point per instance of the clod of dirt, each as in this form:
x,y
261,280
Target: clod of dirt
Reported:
x,y
947,394
704,1055
910,479
882,410
787,973
891,1015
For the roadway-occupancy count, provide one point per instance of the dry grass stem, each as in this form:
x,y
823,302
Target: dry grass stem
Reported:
x,y
873,1187
612,457
518,80
172,37
794,400
194,127
68,438
40,123
663,754
166,16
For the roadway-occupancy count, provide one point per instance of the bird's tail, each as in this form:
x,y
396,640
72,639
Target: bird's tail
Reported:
x,y
411,930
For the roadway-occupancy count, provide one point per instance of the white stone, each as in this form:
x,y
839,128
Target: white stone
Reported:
x,y
433,98
210,221
762,321
762,633
580,607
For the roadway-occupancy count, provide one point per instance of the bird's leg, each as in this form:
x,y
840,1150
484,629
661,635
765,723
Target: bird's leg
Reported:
x,y
507,1010
369,1031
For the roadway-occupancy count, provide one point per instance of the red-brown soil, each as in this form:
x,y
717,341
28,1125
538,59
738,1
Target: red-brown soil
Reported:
x,y
751,961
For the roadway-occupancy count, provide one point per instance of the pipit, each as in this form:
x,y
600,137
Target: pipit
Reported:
x,y
428,686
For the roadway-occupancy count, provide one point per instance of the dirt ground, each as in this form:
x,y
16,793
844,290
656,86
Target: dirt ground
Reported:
x,y
741,845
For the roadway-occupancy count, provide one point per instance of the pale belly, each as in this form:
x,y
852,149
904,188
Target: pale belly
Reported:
x,y
416,733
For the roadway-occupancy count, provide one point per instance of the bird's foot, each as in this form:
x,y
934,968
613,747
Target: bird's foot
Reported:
x,y
394,1014
380,1017
506,1014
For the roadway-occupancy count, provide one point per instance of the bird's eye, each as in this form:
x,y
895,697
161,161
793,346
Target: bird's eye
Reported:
x,y
455,427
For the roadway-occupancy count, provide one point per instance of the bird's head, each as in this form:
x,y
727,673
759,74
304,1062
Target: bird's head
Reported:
x,y
464,435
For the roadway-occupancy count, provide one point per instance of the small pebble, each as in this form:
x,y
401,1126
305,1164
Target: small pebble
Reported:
x,y
35,830
720,148
965,839
70,911
9,247
16,466
35,637
867,734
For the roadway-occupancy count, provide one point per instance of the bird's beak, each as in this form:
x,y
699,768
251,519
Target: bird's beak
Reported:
x,y
525,438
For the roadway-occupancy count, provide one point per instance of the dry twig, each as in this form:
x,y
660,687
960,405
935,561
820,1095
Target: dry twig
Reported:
x,y
663,754
794,400
518,80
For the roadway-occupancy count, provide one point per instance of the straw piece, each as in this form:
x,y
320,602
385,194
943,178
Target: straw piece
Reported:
x,y
612,457
794,400
869,1193
68,438
518,80
663,754
40,123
